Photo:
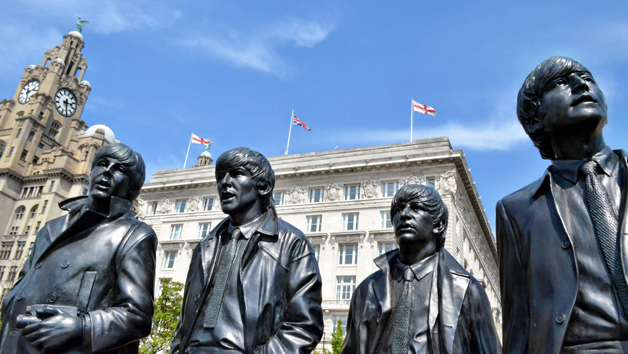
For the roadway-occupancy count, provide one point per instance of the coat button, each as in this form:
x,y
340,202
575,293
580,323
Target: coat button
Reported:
x,y
38,265
560,318
52,298
65,264
197,297
565,244
19,296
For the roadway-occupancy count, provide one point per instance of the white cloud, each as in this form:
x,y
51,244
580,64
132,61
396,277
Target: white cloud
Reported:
x,y
258,50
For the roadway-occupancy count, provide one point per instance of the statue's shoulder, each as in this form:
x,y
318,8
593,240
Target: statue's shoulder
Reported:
x,y
528,192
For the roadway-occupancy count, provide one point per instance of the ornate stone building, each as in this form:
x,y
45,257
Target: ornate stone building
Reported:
x,y
341,200
45,149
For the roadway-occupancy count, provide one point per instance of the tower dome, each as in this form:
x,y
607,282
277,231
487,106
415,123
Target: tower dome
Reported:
x,y
102,129
76,34
205,159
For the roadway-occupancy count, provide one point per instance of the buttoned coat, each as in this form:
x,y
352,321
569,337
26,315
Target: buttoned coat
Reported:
x,y
464,312
279,285
103,266
539,274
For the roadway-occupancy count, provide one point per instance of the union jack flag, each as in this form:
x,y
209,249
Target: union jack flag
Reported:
x,y
297,121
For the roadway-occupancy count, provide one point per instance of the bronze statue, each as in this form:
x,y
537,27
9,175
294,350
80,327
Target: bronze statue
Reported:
x,y
562,239
253,285
87,285
421,300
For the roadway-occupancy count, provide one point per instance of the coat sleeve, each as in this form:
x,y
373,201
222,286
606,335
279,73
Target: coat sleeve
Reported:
x,y
481,336
130,316
302,328
178,335
515,308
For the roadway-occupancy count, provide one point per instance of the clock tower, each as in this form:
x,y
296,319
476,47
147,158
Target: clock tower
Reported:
x,y
46,149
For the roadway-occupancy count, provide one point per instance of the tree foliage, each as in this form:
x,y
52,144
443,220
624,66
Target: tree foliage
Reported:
x,y
337,338
167,311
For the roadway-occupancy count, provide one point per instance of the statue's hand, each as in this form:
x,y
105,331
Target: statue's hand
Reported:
x,y
53,333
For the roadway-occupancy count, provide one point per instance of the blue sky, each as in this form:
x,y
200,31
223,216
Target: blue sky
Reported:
x,y
233,71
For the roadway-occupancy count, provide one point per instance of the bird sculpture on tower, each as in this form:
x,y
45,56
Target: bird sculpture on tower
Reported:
x,y
80,23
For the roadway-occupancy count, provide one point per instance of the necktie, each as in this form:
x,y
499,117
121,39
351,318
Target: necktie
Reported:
x,y
214,303
401,320
605,225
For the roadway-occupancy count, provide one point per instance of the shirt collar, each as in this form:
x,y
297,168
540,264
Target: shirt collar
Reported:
x,y
568,169
420,269
249,228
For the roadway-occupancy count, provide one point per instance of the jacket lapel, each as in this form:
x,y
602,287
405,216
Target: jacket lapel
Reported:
x,y
208,248
53,229
381,288
453,284
623,225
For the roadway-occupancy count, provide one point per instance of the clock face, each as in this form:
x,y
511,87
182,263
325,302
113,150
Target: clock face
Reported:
x,y
27,91
65,101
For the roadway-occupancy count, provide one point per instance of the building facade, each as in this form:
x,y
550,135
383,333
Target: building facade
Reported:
x,y
341,200
46,149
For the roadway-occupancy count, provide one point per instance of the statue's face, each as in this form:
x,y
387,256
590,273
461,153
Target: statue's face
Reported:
x,y
574,101
109,178
413,225
237,191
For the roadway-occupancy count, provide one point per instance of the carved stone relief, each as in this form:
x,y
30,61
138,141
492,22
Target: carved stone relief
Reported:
x,y
448,183
139,208
333,192
369,188
296,195
413,180
165,206
194,204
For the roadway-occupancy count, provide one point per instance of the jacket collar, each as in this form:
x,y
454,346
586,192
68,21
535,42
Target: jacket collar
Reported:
x,y
76,205
269,226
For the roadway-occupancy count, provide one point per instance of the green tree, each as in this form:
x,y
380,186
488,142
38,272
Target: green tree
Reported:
x,y
167,311
337,338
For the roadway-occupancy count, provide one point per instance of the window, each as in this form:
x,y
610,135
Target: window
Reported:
x,y
314,223
2,268
54,129
169,260
387,247
5,252
208,204
37,227
203,229
352,192
19,131
385,217
20,250
27,230
52,186
43,209
24,154
343,323
14,230
431,182
12,273
316,195
33,211
175,232
348,255
162,282
180,208
30,248
345,287
11,151
278,198
389,189
19,213
31,135
317,251
153,208
350,222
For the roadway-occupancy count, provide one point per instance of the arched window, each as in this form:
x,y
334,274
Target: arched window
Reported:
x,y
54,129
33,211
19,213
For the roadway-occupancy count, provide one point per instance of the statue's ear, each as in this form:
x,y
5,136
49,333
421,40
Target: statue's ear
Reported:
x,y
264,189
439,228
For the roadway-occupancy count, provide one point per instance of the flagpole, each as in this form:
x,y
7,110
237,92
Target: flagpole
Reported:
x,y
289,132
411,117
187,153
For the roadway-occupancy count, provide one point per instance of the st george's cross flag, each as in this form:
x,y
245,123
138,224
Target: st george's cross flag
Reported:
x,y
199,140
297,121
422,108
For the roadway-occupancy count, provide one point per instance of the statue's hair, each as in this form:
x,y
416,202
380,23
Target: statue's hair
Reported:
x,y
254,162
538,82
429,200
129,158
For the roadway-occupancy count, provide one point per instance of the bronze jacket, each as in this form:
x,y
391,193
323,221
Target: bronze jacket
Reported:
x,y
280,288
539,275
103,266
465,321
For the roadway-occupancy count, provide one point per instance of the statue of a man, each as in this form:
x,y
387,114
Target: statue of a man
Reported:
x,y
253,285
421,300
87,285
562,239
